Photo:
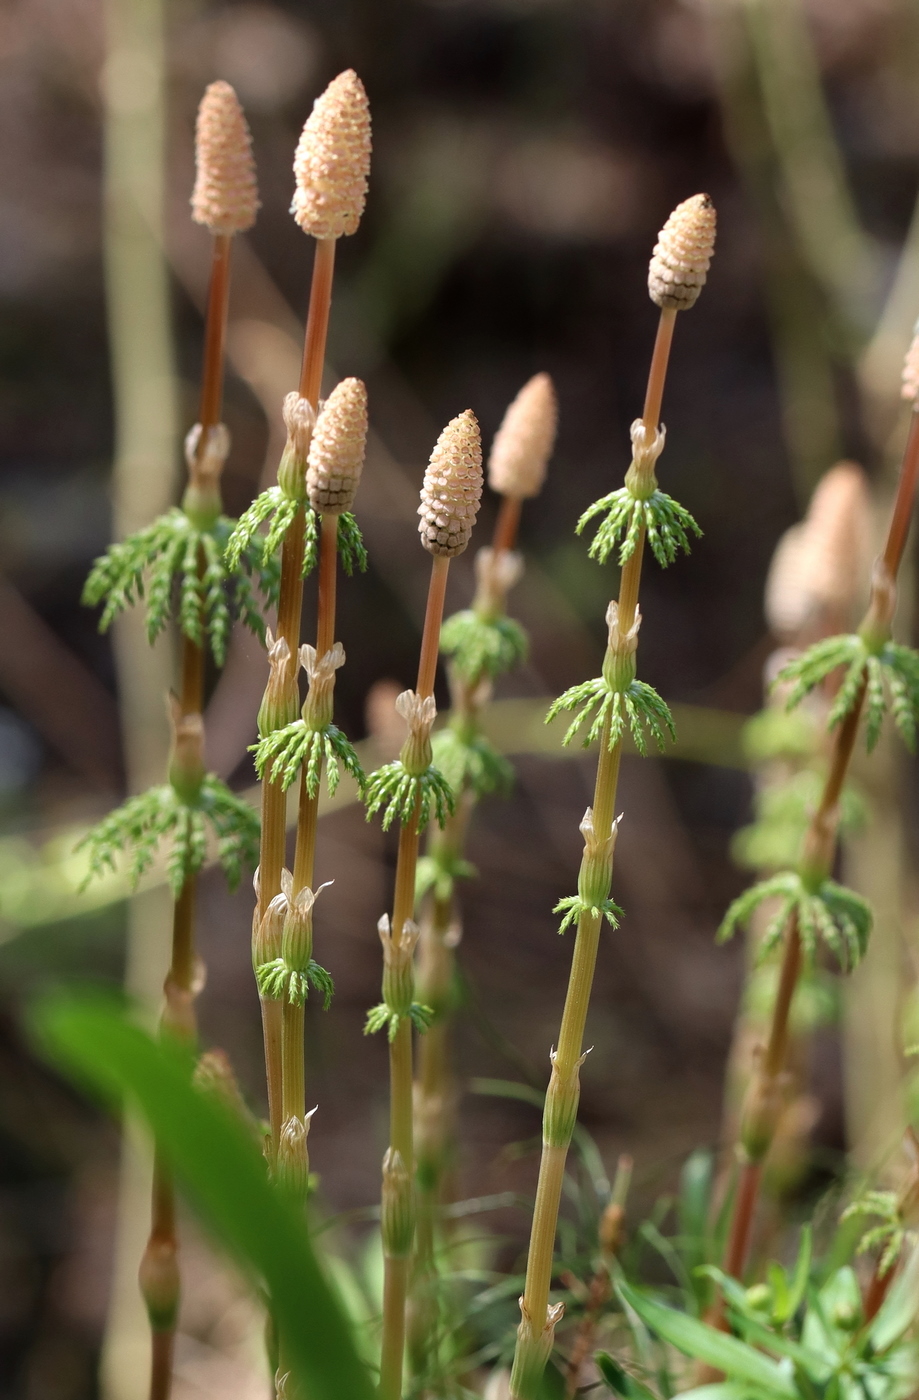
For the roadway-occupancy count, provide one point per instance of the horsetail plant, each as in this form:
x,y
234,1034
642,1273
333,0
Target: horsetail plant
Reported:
x,y
181,556
481,642
331,169
676,276
811,590
413,790
879,674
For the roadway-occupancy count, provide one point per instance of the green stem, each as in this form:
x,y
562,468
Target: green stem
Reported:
x,y
536,1330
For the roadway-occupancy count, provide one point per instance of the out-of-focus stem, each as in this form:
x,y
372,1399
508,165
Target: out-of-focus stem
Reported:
x,y
820,841
507,523
401,1134
430,641
215,335
145,404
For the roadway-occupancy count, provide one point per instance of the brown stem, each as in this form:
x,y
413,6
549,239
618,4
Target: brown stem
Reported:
x,y
742,1223
160,1256
507,523
877,1291
182,967
162,1349
215,335
658,371
317,323
434,612
777,1045
903,505
192,694
181,975
819,847
597,1296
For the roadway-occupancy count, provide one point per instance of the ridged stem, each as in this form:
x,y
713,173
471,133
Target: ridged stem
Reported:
x,y
535,1333
294,1080
290,603
565,1073
397,1266
293,1058
274,817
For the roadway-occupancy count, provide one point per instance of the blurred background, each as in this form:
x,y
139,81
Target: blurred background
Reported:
x,y
526,153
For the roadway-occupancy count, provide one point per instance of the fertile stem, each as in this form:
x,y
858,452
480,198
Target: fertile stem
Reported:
x,y
397,1254
818,855
293,1068
159,1267
290,603
535,1334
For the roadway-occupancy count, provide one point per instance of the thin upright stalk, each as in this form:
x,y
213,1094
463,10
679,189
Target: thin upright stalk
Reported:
x,y
819,852
317,321
401,1133
159,1270
215,335
507,524
534,1338
146,424
436,968
274,821
290,603
293,1066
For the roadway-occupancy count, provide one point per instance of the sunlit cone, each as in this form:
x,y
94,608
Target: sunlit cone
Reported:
x,y
910,388
452,489
683,254
336,455
523,444
333,160
225,196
